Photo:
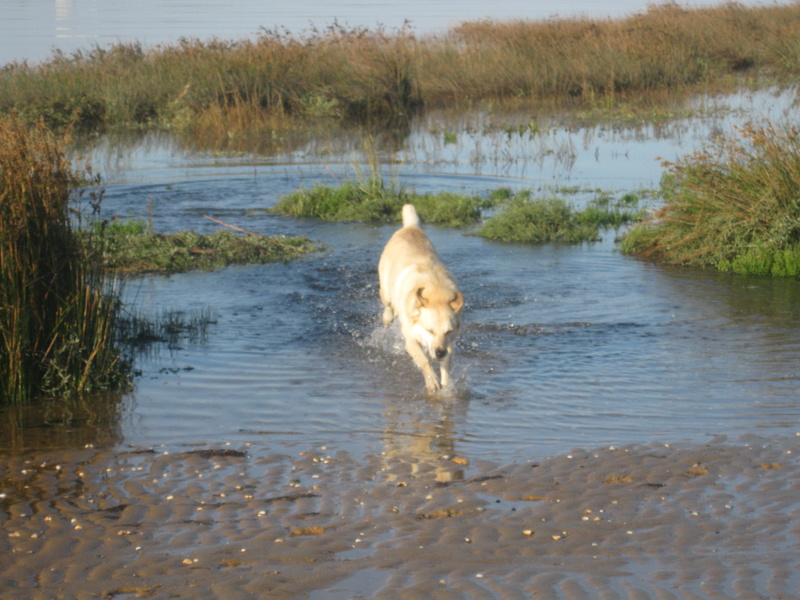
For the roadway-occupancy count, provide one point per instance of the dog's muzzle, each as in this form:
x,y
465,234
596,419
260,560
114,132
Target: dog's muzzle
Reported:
x,y
440,353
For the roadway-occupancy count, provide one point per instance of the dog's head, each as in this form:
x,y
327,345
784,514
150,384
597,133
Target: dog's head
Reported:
x,y
434,312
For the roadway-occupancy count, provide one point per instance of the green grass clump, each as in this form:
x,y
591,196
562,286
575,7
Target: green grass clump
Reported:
x,y
372,201
128,247
57,311
365,202
734,206
524,218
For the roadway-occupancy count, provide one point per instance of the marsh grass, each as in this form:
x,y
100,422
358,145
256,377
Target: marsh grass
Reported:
x,y
234,93
733,206
525,218
57,311
131,248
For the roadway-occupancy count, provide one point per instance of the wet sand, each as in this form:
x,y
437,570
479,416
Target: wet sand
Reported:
x,y
720,520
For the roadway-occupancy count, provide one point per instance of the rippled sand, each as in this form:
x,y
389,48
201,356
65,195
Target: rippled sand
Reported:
x,y
716,521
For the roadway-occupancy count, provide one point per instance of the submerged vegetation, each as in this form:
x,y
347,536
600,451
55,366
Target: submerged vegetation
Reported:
x,y
58,312
235,93
733,206
130,247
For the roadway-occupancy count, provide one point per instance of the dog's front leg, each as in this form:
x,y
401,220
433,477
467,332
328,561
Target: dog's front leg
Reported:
x,y
416,352
444,368
388,315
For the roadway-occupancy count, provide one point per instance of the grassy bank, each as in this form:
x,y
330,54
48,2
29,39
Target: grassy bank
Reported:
x,y
222,93
57,311
734,206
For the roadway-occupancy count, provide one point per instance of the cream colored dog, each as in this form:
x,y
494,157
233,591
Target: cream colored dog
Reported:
x,y
418,290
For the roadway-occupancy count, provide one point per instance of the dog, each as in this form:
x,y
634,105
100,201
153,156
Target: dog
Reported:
x,y
417,289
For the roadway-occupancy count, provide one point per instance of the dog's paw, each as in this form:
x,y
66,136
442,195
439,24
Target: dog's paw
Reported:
x,y
432,384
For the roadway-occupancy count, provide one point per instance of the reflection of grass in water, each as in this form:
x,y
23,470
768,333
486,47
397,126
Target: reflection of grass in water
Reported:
x,y
171,327
734,206
65,422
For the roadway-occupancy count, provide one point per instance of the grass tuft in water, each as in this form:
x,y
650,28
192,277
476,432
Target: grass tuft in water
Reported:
x,y
372,201
129,247
536,220
733,206
58,312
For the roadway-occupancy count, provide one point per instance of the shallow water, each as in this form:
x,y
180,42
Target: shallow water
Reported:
x,y
561,346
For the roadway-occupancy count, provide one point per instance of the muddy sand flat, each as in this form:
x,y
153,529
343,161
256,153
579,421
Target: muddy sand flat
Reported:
x,y
720,520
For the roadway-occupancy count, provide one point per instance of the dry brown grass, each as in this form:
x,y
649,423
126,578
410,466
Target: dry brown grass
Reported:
x,y
224,92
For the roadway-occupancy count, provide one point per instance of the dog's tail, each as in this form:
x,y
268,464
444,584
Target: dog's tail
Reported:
x,y
410,217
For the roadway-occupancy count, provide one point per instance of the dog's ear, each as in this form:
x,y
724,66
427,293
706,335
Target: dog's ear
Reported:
x,y
414,303
457,302
423,302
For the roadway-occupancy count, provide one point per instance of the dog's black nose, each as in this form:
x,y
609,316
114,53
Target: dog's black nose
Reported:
x,y
441,353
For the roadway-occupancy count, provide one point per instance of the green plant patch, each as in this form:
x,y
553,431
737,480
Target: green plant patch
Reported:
x,y
372,201
526,219
765,261
129,248
733,206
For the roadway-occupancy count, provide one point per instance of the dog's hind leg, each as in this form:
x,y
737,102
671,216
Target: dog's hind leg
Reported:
x,y
388,311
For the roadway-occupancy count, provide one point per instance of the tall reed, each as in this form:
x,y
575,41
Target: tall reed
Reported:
x,y
733,206
57,314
